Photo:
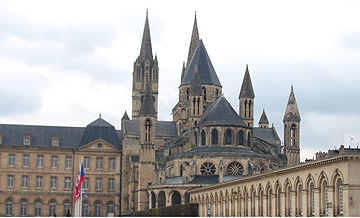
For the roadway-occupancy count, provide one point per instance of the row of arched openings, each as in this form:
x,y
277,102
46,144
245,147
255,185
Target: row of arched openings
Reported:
x,y
160,200
270,199
229,137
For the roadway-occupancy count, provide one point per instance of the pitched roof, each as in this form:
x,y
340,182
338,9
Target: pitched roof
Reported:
x,y
205,179
146,50
220,112
266,134
100,129
162,128
247,90
263,118
206,70
193,43
292,111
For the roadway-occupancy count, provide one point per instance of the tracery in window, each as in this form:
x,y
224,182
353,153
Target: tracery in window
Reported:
x,y
235,169
207,168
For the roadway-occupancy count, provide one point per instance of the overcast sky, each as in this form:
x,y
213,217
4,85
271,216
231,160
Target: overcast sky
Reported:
x,y
64,62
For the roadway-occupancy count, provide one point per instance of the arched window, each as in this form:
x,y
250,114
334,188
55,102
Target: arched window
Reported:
x,y
66,208
250,103
23,207
97,208
245,108
203,138
249,139
9,206
298,198
339,197
198,106
269,202
175,198
323,198
246,203
228,137
37,206
55,141
187,94
52,208
110,209
278,201
261,202
288,200
207,168
147,130
214,137
292,134
161,199
138,73
311,199
204,93
194,105
181,170
85,209
240,137
195,138
153,200
253,203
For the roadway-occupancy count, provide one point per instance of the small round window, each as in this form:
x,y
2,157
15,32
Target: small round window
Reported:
x,y
207,168
99,145
235,169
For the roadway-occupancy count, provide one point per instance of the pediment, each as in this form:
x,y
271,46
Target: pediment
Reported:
x,y
99,145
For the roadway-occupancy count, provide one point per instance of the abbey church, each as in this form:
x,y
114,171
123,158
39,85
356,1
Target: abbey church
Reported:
x,y
224,159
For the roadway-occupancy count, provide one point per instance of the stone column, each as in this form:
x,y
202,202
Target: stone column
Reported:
x,y
200,210
282,204
224,208
242,208
219,208
236,206
273,203
230,207
304,203
317,202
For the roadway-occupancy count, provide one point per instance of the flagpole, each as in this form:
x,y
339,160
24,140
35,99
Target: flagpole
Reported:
x,y
80,207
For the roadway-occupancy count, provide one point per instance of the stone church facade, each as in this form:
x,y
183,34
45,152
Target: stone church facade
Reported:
x,y
209,154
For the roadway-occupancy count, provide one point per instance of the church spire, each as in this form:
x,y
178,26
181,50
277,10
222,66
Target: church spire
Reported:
x,y
195,86
194,42
263,122
247,90
292,111
146,50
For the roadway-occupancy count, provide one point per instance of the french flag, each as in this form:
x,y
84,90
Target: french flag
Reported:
x,y
81,178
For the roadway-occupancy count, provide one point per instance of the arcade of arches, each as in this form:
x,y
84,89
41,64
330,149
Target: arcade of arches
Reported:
x,y
167,197
315,188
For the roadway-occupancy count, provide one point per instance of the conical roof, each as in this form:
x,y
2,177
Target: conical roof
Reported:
x,y
292,112
147,104
146,49
205,68
247,90
125,116
100,129
193,43
221,113
263,118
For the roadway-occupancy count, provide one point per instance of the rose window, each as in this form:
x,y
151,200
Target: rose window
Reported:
x,y
235,169
207,168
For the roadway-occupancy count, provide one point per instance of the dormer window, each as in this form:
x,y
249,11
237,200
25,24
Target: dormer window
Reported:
x,y
55,141
27,140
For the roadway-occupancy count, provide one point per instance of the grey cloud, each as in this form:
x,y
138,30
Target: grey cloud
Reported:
x,y
19,102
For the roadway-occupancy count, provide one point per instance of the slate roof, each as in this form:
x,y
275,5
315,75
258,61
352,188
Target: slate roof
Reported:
x,y
206,70
173,181
220,112
198,179
162,128
195,86
292,111
100,129
193,43
266,134
247,90
12,135
146,49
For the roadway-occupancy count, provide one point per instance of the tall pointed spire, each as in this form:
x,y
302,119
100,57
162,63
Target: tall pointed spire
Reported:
x,y
193,43
147,106
247,90
292,111
263,118
146,50
195,86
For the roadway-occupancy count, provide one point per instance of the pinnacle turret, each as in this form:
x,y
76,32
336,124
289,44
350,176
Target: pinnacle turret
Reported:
x,y
292,111
263,118
247,90
147,106
193,43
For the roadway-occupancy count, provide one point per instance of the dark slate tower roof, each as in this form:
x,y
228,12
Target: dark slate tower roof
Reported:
x,y
125,116
147,106
195,86
247,90
193,43
100,129
292,112
146,50
263,118
221,113
206,70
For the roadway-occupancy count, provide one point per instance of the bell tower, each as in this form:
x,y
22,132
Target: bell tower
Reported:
x,y
292,131
145,70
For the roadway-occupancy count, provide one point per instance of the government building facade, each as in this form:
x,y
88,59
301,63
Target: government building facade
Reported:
x,y
210,154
